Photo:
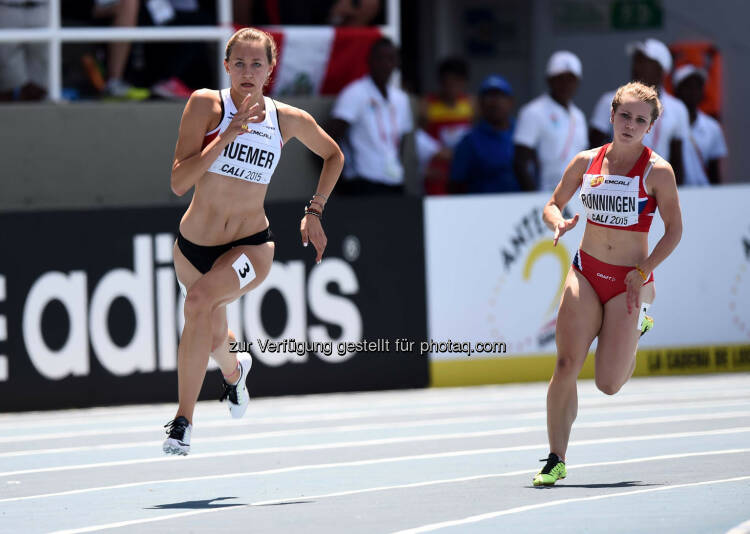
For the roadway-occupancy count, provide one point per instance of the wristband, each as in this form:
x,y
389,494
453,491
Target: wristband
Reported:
x,y
310,211
640,271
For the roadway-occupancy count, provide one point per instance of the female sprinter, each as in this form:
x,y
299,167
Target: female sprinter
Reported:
x,y
228,147
610,285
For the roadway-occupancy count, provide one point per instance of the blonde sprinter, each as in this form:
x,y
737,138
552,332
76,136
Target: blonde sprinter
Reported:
x,y
610,285
228,147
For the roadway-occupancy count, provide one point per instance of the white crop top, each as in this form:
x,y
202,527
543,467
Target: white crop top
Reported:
x,y
253,155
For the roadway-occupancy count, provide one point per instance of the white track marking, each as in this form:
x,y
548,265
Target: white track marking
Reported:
x,y
357,463
743,528
391,425
425,528
605,404
215,410
519,509
346,444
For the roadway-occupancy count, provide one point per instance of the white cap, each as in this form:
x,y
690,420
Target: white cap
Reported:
x,y
653,49
685,71
563,61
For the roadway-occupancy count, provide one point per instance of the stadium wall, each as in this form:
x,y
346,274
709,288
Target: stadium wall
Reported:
x,y
493,275
90,310
109,154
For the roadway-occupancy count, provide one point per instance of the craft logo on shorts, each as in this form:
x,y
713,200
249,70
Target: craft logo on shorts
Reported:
x,y
596,181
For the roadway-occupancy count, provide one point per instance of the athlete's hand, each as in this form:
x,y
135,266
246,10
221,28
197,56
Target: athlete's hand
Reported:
x,y
246,113
312,232
563,226
633,284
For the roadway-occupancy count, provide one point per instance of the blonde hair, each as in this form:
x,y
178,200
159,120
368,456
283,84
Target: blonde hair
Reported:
x,y
642,92
254,35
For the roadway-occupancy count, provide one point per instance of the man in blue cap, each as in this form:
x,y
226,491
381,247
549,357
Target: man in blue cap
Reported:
x,y
483,159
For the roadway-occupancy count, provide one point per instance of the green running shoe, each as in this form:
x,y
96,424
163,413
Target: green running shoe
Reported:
x,y
646,324
552,471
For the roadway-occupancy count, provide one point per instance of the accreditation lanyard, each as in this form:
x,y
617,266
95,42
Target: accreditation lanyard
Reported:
x,y
390,116
571,133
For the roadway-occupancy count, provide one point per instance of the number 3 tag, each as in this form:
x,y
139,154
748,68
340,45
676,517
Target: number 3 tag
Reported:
x,y
244,270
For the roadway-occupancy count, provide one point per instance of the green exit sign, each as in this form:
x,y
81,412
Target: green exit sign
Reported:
x,y
636,14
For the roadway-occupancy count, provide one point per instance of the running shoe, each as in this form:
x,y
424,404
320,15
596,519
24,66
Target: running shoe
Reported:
x,y
552,471
646,324
237,394
178,440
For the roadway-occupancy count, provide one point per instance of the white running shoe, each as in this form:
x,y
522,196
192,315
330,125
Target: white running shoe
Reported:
x,y
238,396
178,442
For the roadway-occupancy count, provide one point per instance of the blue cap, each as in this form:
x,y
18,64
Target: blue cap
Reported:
x,y
495,82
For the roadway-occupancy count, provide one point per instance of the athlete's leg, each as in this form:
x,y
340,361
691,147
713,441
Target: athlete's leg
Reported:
x,y
578,322
222,337
618,342
228,364
218,287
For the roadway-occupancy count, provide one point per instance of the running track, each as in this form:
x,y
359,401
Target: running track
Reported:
x,y
663,455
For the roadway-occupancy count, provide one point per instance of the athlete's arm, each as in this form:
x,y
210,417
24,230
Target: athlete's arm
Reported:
x,y
190,162
571,181
300,124
662,185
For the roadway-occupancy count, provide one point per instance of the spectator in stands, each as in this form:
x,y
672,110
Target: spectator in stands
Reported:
x,y
175,68
551,129
483,159
353,12
369,119
304,12
651,61
23,66
706,145
446,116
122,13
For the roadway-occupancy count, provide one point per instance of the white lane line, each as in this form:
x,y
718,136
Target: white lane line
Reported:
x,y
359,463
336,416
415,485
327,446
395,425
637,388
519,509
273,434
742,528
497,475
67,418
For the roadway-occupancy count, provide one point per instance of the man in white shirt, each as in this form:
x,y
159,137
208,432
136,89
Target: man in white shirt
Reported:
x,y
651,61
706,144
551,129
369,120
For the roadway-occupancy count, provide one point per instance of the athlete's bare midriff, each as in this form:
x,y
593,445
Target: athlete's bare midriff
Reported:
x,y
615,246
224,209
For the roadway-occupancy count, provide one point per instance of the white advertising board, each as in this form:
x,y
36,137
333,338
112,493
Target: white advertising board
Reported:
x,y
493,274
